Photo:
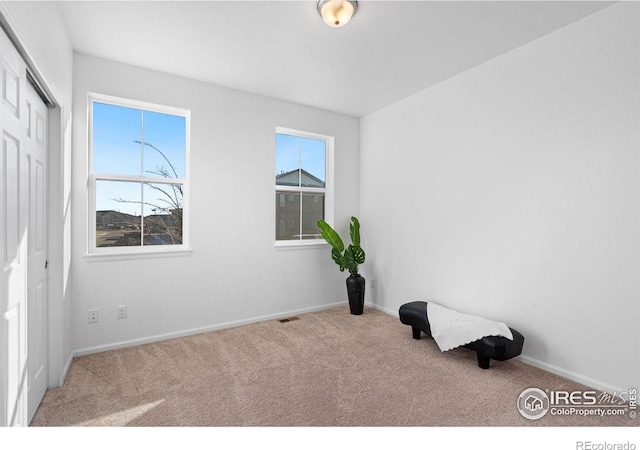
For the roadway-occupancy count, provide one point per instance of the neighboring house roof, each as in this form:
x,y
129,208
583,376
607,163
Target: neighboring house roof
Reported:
x,y
292,177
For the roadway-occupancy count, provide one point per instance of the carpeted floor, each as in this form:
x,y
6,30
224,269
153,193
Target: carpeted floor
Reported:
x,y
328,368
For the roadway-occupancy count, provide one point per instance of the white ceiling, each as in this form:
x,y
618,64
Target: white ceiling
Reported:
x,y
389,51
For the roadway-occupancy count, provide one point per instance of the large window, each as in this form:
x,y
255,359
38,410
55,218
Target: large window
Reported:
x,y
303,184
138,175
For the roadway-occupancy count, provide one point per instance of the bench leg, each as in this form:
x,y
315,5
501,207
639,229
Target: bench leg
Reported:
x,y
416,332
483,361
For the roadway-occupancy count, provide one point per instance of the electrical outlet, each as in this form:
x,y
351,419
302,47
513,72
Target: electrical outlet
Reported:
x,y
93,316
122,312
373,284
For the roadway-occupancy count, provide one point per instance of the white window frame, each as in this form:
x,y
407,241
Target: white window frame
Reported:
x,y
132,252
328,190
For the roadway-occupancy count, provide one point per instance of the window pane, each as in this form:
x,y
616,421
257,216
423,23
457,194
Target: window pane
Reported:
x,y
300,161
115,130
312,156
287,160
118,208
162,214
287,216
165,145
312,211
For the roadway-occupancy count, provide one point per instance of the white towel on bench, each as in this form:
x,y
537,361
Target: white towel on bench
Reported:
x,y
451,329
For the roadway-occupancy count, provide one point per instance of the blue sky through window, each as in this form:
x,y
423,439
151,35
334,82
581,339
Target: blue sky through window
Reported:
x,y
294,152
116,152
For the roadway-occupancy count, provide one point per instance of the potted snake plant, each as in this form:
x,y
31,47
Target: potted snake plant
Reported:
x,y
348,258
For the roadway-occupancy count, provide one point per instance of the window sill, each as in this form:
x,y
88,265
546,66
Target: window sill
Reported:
x,y
300,245
131,254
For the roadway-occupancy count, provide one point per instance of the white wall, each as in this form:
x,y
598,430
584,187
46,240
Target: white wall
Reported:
x,y
511,191
234,274
40,29
43,32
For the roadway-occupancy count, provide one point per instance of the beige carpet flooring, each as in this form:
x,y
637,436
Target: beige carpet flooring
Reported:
x,y
328,368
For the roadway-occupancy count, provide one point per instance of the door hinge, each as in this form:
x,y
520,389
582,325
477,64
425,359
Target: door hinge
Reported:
x,y
46,264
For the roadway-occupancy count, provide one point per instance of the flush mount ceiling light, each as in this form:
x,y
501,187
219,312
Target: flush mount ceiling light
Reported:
x,y
337,13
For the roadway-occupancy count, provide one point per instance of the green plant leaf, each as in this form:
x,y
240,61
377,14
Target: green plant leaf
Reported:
x,y
354,229
330,235
350,262
338,258
357,253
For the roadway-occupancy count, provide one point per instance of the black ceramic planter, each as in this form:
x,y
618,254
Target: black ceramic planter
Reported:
x,y
355,291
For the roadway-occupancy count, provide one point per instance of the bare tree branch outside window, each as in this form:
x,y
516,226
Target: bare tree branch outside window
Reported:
x,y
165,225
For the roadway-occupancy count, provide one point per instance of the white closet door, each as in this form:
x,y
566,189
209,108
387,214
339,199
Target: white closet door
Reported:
x,y
23,287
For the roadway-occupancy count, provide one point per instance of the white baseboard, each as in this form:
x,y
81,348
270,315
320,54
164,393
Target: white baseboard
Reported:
x,y
385,310
67,366
573,376
192,331
58,379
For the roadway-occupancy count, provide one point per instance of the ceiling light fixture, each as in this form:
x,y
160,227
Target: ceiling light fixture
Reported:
x,y
337,13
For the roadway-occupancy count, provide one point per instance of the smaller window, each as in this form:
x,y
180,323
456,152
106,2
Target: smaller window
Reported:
x,y
304,166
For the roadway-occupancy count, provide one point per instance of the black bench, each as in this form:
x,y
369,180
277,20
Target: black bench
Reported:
x,y
487,348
